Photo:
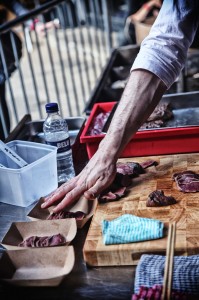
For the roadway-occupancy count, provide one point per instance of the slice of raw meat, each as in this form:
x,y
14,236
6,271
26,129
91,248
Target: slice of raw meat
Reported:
x,y
162,111
148,163
152,124
134,168
129,168
187,181
112,196
44,241
79,215
157,198
98,123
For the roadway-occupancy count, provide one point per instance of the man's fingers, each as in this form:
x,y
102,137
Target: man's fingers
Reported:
x,y
96,189
68,199
58,194
85,183
90,195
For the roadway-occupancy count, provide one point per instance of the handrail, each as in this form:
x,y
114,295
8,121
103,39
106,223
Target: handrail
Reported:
x,y
34,12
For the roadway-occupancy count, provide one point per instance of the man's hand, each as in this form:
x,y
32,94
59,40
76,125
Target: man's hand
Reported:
x,y
98,174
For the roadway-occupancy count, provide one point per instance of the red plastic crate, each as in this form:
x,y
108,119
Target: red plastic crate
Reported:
x,y
146,142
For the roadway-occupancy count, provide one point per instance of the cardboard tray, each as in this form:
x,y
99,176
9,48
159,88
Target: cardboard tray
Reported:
x,y
36,266
38,213
179,136
20,231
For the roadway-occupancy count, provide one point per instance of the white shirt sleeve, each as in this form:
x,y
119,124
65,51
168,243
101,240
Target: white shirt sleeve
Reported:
x,y
164,51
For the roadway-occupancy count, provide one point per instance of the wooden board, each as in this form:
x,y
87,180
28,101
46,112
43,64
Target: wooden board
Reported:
x,y
185,213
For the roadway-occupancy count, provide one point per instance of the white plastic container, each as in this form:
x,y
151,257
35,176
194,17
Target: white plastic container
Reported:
x,y
24,186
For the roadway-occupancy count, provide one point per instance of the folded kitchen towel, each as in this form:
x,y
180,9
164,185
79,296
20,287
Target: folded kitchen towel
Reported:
x,y
129,228
150,272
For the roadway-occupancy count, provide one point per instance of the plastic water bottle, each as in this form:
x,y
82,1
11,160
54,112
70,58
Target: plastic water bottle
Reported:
x,y
56,134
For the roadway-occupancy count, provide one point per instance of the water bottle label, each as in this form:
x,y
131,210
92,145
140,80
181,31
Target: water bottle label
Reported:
x,y
62,146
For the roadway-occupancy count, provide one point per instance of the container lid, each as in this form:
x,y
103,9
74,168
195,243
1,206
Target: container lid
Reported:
x,y
51,107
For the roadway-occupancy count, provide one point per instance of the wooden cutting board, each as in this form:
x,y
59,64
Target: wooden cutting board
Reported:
x,y
185,213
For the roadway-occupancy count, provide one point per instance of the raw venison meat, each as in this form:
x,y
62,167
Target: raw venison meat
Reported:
x,y
148,163
129,168
98,123
44,241
123,179
116,190
187,181
157,198
134,168
152,124
112,196
79,215
161,113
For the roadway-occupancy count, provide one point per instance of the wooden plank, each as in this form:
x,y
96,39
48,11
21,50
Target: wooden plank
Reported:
x,y
185,213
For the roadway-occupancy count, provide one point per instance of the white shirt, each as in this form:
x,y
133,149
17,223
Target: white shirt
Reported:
x,y
164,50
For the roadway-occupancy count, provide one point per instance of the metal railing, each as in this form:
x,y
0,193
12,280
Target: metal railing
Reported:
x,y
63,65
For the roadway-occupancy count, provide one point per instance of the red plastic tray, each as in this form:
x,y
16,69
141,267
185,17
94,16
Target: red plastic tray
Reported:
x,y
146,142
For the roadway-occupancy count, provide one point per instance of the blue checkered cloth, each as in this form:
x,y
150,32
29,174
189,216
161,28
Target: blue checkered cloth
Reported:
x,y
150,271
129,228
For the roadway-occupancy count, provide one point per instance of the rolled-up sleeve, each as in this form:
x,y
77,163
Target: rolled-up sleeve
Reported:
x,y
164,51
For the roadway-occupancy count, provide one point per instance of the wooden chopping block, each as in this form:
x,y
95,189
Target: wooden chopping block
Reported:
x,y
185,213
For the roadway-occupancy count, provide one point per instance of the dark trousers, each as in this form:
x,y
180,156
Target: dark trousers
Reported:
x,y
4,113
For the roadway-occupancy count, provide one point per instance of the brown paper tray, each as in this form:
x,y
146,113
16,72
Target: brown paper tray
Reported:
x,y
36,267
38,213
19,231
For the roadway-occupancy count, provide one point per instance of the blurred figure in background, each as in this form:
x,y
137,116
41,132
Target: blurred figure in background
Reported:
x,y
138,11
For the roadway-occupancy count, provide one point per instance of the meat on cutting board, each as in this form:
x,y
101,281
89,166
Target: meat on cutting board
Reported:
x,y
112,195
123,179
187,181
134,168
129,168
158,198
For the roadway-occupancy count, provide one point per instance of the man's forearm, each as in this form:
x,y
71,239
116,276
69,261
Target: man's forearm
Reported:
x,y
141,95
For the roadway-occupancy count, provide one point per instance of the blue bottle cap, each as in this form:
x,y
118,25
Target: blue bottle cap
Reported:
x,y
51,107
